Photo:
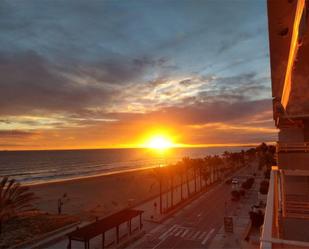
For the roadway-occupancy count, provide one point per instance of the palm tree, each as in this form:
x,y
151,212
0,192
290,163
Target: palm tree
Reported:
x,y
14,198
206,170
169,174
186,162
199,166
172,187
180,172
158,176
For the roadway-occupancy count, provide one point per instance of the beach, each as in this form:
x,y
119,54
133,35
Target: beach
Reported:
x,y
98,195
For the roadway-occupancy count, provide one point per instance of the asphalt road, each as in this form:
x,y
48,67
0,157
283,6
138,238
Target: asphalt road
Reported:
x,y
195,225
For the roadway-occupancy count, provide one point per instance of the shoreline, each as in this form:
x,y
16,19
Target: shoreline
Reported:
x,y
99,195
116,172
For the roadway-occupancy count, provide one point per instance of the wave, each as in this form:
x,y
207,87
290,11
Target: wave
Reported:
x,y
47,166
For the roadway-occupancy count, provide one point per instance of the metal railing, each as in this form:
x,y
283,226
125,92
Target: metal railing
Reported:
x,y
269,218
293,147
296,207
270,231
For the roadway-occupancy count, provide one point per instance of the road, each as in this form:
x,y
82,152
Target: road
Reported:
x,y
195,225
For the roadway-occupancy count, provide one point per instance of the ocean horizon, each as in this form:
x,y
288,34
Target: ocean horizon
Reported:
x,y
44,166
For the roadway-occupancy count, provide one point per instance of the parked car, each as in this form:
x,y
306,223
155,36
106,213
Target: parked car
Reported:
x,y
235,181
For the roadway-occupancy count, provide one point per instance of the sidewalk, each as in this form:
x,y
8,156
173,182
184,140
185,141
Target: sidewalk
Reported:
x,y
241,224
151,216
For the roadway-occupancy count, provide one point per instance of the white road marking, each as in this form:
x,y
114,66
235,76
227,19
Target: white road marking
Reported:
x,y
184,234
195,235
179,232
189,234
208,236
166,233
156,246
202,235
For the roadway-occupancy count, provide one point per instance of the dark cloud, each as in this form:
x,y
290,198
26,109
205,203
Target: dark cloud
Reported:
x,y
28,84
15,134
200,113
110,63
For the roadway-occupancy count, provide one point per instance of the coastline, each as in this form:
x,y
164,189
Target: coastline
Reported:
x,y
89,197
107,173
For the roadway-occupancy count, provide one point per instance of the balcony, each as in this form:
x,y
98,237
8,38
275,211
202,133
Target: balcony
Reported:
x,y
281,228
294,157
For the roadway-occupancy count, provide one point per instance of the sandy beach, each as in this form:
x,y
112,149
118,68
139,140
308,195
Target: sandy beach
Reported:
x,y
97,196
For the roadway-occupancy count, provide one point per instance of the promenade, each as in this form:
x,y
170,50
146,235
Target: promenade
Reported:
x,y
193,224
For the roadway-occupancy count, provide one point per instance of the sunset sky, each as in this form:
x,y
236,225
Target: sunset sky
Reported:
x,y
96,74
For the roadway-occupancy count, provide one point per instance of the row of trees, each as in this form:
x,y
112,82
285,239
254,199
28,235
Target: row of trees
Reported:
x,y
202,172
192,175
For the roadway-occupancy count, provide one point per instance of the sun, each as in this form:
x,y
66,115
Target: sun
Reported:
x,y
159,142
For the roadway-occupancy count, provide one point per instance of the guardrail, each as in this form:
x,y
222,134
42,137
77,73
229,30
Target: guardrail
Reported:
x,y
293,147
269,235
297,209
267,230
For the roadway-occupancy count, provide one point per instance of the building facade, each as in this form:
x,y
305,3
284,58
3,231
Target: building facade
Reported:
x,y
286,223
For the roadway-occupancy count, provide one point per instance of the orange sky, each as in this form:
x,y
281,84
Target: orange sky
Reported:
x,y
108,74
136,131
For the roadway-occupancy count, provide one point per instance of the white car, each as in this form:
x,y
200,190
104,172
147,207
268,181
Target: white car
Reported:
x,y
235,181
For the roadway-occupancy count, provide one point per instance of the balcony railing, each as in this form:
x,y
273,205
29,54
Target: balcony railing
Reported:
x,y
296,207
293,147
270,231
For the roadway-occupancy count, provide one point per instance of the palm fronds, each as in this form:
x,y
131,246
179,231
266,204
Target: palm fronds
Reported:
x,y
14,198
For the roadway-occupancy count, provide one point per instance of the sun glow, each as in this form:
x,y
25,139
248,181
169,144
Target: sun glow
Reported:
x,y
159,142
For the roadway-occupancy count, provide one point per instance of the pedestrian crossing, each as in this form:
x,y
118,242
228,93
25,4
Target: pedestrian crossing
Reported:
x,y
187,233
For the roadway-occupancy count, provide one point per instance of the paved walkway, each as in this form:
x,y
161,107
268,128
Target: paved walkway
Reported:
x,y
151,218
195,224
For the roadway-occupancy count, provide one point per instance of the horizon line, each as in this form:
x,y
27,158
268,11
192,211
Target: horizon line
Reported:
x,y
177,146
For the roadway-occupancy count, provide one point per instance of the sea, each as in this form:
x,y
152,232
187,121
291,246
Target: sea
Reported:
x,y
35,167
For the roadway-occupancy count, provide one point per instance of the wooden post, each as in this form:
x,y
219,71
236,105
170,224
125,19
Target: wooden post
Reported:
x,y
103,240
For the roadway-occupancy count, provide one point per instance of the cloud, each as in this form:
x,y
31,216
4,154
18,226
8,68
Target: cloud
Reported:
x,y
79,68
15,134
29,85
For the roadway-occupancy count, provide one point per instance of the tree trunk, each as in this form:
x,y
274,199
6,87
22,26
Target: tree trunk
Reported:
x,y
166,197
181,183
161,196
200,173
188,185
195,180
